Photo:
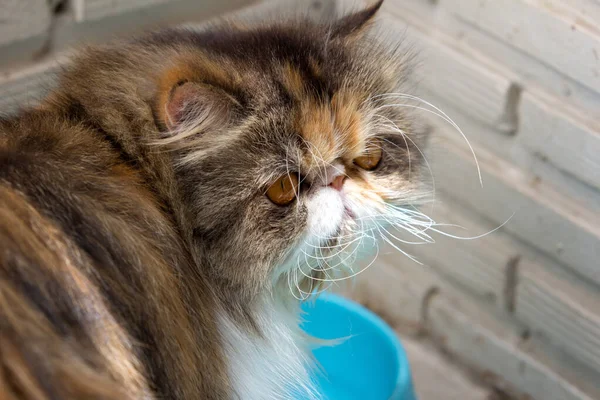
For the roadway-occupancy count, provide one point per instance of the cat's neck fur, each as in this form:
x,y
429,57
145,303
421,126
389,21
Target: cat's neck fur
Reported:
x,y
271,359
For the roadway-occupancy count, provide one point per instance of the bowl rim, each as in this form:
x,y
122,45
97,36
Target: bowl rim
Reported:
x,y
404,379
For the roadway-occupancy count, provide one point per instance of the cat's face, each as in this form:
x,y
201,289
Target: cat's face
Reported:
x,y
292,154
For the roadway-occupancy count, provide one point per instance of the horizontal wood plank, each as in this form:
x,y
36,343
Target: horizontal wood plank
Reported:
x,y
571,144
543,217
542,29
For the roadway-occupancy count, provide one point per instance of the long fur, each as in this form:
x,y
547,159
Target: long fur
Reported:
x,y
140,257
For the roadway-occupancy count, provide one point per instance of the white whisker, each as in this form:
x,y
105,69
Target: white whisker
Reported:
x,y
439,113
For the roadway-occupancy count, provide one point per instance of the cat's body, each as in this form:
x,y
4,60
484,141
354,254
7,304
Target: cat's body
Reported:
x,y
145,251
92,268
87,250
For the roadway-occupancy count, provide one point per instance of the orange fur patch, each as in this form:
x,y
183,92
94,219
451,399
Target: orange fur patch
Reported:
x,y
193,68
315,124
333,131
293,81
349,122
315,68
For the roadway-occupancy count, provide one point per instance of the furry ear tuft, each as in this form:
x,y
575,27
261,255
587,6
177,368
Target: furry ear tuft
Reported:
x,y
357,22
190,105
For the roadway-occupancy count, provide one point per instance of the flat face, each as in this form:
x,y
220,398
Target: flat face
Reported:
x,y
294,149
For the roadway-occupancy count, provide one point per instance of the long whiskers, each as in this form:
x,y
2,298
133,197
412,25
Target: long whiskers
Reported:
x,y
382,225
325,262
436,111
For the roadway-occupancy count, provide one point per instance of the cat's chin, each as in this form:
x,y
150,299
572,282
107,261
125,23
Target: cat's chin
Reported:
x,y
326,214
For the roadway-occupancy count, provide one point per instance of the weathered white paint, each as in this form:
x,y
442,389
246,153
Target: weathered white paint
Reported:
x,y
465,329
461,79
543,216
437,378
563,309
94,9
568,316
542,29
513,149
417,297
25,87
22,19
566,140
527,71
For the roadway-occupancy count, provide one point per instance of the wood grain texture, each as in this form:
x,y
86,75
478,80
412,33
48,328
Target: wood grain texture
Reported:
x,y
547,301
463,332
521,22
418,299
568,316
570,143
437,378
461,76
527,71
543,216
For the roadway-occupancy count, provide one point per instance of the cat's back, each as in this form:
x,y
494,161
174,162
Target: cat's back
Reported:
x,y
71,179
48,281
89,267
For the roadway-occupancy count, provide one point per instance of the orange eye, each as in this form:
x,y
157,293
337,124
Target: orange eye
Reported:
x,y
283,191
372,156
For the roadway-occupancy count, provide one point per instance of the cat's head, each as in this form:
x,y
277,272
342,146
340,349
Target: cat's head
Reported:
x,y
294,153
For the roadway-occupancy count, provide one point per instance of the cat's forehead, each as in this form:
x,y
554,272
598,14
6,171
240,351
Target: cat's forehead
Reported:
x,y
320,90
263,51
335,128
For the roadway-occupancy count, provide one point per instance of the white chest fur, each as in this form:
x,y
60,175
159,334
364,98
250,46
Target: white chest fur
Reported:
x,y
272,365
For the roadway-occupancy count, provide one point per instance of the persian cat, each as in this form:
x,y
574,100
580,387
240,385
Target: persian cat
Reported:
x,y
166,209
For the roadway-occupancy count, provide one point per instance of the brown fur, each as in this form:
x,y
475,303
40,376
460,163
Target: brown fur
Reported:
x,y
121,242
62,276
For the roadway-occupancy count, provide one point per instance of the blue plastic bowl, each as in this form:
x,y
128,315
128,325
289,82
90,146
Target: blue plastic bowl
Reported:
x,y
369,365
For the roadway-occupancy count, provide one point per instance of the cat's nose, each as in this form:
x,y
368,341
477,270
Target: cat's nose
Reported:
x,y
338,182
334,176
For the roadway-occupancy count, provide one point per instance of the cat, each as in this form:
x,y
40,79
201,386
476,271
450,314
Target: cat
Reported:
x,y
166,209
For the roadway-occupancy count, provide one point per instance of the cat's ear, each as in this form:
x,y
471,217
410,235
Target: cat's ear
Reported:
x,y
193,105
356,23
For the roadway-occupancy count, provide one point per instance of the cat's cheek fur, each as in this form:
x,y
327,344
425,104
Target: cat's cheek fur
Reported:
x,y
362,200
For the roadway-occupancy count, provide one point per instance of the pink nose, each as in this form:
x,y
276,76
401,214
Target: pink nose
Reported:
x,y
338,182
